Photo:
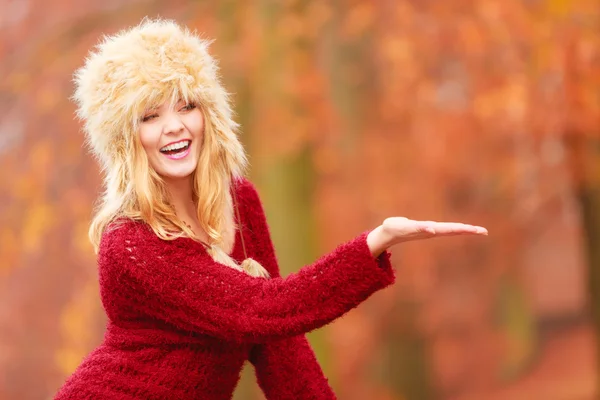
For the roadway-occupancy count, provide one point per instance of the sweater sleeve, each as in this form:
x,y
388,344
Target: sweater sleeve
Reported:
x,y
175,282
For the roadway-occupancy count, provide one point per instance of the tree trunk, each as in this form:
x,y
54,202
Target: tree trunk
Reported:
x,y
584,157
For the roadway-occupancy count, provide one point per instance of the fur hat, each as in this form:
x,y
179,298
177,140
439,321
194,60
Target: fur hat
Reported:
x,y
142,67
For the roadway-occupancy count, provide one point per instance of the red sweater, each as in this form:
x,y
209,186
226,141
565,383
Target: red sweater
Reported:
x,y
181,326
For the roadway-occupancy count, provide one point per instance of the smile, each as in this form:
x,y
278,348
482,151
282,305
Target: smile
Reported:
x,y
178,150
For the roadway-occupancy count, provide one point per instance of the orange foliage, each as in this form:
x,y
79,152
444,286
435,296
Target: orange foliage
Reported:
x,y
429,109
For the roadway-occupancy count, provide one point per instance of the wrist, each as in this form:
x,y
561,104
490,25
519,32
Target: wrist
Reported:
x,y
378,241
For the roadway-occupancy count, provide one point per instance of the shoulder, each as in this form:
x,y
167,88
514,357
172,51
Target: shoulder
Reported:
x,y
244,186
246,192
250,204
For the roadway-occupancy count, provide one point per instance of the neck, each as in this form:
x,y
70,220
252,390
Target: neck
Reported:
x,y
181,193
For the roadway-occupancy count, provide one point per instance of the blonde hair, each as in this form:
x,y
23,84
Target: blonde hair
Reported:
x,y
141,68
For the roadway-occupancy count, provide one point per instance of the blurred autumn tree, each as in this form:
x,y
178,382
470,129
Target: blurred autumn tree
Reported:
x,y
484,111
582,138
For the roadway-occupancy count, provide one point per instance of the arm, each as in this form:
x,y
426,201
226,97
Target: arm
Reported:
x,y
178,283
288,368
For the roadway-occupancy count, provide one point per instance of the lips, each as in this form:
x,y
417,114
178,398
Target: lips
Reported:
x,y
177,150
176,147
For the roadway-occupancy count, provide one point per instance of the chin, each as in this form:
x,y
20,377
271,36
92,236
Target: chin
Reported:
x,y
177,174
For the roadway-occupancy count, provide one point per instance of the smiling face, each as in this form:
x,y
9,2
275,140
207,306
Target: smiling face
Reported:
x,y
171,135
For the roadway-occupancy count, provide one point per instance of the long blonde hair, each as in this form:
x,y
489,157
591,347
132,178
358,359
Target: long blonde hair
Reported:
x,y
138,69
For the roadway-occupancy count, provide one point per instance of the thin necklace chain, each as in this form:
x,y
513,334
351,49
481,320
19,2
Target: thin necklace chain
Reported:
x,y
237,211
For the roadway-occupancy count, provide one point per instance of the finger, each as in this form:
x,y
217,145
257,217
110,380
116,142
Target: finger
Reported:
x,y
445,228
427,227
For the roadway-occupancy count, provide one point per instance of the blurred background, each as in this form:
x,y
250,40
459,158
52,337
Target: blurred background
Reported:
x,y
479,111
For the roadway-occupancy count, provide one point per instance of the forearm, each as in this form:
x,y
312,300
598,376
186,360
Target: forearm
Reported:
x,y
190,291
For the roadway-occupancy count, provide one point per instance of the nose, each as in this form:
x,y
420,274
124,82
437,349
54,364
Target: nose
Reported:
x,y
172,123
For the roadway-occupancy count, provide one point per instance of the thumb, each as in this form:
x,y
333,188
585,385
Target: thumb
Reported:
x,y
426,227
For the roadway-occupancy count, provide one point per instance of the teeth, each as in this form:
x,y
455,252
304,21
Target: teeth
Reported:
x,y
176,146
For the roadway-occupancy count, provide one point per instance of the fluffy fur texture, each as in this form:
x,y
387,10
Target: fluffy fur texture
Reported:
x,y
138,69
181,325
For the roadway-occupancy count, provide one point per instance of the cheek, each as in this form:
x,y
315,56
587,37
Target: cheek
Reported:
x,y
196,125
148,139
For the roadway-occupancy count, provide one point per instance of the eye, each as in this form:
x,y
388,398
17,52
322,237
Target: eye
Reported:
x,y
149,117
188,107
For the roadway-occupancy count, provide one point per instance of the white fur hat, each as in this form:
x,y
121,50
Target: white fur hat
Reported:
x,y
141,67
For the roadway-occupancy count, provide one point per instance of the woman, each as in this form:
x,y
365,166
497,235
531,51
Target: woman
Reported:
x,y
188,275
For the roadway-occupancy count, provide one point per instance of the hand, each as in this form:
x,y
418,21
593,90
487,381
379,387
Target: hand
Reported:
x,y
396,230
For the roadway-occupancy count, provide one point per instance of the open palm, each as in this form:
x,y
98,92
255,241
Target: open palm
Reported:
x,y
400,229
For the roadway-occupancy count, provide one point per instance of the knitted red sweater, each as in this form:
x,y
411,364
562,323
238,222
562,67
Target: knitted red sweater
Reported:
x,y
181,326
